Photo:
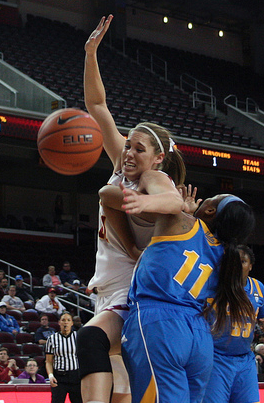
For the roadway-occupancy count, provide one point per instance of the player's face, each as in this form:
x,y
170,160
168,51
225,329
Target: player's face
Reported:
x,y
212,202
138,156
246,264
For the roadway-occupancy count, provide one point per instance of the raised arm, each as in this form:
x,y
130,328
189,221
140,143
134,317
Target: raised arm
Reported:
x,y
95,97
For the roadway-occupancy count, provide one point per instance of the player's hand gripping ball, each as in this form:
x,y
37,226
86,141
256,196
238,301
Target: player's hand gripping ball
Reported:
x,y
70,141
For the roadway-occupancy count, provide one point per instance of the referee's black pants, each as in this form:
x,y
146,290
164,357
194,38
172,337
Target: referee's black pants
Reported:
x,y
65,385
59,393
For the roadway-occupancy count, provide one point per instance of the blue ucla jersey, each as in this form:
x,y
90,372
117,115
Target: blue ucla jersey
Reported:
x,y
237,341
179,269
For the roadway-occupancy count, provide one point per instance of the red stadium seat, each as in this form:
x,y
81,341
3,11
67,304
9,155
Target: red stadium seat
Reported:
x,y
55,326
33,326
6,337
32,349
16,314
13,348
24,338
52,317
30,316
40,360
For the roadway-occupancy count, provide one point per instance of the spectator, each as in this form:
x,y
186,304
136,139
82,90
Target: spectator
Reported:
x,y
8,367
259,332
259,355
67,276
13,302
73,297
44,331
93,295
2,274
3,287
51,279
49,303
7,322
22,293
30,372
77,323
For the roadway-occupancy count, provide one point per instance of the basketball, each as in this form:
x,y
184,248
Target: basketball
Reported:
x,y
70,141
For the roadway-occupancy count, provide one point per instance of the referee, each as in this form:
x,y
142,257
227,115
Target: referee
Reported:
x,y
62,364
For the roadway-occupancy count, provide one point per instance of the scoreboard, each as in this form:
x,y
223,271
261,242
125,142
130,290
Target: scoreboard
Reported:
x,y
226,160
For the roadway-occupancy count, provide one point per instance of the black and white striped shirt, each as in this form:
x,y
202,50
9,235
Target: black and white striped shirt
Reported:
x,y
63,349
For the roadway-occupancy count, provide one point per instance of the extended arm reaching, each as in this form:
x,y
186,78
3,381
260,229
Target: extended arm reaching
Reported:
x,y
95,97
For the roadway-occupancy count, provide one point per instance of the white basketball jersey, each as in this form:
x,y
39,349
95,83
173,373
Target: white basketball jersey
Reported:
x,y
114,268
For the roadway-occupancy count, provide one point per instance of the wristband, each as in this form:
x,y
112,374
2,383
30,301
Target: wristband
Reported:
x,y
51,376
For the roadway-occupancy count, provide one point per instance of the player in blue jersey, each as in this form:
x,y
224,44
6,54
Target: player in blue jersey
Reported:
x,y
234,375
166,344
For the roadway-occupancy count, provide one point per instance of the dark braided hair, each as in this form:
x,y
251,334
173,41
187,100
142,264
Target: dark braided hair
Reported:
x,y
232,226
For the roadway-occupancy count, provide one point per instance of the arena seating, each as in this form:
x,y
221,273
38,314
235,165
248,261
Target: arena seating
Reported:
x,y
223,76
52,53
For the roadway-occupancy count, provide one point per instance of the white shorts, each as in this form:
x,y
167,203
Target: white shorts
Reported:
x,y
116,302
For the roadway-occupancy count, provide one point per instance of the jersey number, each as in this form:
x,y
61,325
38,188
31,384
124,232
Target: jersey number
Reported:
x,y
187,267
246,331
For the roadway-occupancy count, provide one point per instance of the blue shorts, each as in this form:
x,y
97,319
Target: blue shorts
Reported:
x,y
233,380
168,353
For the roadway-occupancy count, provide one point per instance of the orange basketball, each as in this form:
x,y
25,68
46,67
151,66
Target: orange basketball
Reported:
x,y
70,141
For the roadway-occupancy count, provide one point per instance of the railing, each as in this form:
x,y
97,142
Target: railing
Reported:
x,y
10,265
32,96
153,62
203,98
248,106
201,92
250,101
78,296
30,285
10,90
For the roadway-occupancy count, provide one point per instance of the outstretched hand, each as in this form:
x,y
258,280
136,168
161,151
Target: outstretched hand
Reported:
x,y
98,34
189,196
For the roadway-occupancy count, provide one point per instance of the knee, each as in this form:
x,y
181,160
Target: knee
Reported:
x,y
93,348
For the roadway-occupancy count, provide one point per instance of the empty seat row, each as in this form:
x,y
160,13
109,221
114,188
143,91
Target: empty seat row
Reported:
x,y
29,349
